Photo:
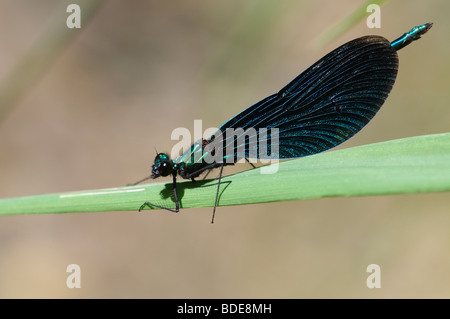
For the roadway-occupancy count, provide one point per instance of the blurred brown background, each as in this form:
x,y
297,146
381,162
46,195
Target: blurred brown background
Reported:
x,y
140,69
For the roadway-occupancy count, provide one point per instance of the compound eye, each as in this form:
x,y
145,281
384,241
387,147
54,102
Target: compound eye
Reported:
x,y
165,168
162,166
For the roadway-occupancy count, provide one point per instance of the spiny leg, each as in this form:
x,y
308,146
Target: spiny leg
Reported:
x,y
217,194
177,204
206,175
250,163
140,181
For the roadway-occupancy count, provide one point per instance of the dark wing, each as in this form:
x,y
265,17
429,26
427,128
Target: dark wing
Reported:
x,y
325,105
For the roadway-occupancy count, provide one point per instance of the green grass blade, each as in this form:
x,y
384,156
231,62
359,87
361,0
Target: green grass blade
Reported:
x,y
410,165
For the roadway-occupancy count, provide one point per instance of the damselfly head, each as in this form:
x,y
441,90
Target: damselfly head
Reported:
x,y
163,166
